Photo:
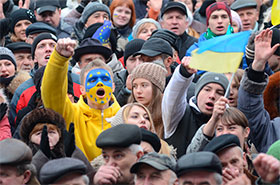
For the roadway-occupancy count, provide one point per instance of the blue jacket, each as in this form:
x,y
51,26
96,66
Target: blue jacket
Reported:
x,y
264,131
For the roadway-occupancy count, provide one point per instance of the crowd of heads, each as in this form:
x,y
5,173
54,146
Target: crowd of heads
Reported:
x,y
102,94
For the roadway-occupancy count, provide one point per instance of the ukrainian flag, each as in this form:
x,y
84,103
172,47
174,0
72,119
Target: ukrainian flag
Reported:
x,y
221,54
103,33
275,13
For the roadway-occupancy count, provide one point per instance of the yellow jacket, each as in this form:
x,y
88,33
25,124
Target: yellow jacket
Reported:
x,y
89,122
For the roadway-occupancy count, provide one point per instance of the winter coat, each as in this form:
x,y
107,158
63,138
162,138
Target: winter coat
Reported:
x,y
199,141
185,41
89,122
24,93
5,129
263,130
181,119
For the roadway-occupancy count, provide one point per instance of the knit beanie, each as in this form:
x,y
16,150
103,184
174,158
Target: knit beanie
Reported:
x,y
93,7
118,118
136,27
217,6
210,77
6,54
132,47
236,18
274,150
39,38
152,72
21,14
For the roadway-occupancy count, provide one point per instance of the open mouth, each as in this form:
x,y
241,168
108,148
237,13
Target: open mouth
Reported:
x,y
4,75
209,105
47,57
100,93
220,28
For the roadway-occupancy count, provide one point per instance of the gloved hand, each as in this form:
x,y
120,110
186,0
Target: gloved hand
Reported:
x,y
84,2
44,144
3,110
69,141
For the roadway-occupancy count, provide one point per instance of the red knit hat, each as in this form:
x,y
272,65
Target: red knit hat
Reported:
x,y
217,6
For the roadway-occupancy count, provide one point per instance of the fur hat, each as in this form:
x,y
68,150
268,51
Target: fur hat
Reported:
x,y
152,72
39,115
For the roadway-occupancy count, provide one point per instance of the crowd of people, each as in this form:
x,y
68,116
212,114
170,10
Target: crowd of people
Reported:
x,y
102,92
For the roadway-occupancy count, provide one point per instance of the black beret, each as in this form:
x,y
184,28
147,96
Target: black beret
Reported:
x,y
39,27
222,142
198,161
122,135
54,169
19,46
158,161
39,38
151,138
14,152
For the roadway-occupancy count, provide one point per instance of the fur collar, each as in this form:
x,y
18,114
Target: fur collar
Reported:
x,y
20,77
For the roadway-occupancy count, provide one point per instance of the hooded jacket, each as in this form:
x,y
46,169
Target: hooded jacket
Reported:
x,y
88,122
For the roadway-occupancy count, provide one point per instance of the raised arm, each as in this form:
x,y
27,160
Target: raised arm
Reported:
x,y
174,100
54,84
250,98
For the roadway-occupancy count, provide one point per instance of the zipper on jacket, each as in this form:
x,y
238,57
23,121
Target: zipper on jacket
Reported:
x,y
102,115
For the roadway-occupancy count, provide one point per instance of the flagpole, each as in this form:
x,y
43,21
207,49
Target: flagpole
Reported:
x,y
228,87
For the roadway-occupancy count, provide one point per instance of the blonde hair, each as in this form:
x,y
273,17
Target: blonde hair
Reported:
x,y
155,109
143,26
128,108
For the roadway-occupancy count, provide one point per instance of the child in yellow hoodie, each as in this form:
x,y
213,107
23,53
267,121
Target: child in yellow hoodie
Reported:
x,y
96,104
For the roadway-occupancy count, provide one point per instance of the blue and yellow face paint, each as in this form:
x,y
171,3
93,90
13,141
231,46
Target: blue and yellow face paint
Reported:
x,y
99,86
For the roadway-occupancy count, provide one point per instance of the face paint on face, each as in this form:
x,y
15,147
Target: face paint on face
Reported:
x,y
99,86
